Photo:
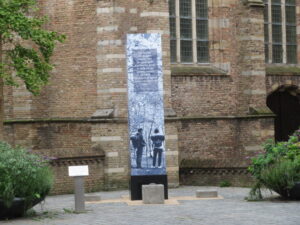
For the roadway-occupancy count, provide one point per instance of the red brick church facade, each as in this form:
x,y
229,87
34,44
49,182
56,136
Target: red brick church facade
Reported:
x,y
229,66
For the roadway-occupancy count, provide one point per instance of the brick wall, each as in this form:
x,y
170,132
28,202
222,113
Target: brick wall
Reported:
x,y
212,128
69,143
65,184
221,143
216,128
206,95
89,76
274,82
216,150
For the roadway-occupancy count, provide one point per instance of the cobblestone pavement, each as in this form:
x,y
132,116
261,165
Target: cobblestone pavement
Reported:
x,y
231,210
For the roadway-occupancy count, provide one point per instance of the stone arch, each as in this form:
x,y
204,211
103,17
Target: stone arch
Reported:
x,y
284,102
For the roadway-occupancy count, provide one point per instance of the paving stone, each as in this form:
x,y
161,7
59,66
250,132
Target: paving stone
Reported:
x,y
232,210
92,197
206,194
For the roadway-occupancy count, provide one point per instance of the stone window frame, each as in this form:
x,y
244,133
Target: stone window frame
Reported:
x,y
176,38
270,56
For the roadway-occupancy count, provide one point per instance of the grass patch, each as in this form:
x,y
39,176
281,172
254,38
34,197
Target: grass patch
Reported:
x,y
32,214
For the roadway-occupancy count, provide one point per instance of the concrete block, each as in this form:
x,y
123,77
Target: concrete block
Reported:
x,y
153,194
92,197
206,194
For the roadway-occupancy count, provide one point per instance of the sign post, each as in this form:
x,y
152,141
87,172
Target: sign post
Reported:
x,y
79,172
146,112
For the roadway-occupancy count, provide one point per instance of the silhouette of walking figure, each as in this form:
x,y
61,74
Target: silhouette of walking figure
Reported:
x,y
138,143
157,143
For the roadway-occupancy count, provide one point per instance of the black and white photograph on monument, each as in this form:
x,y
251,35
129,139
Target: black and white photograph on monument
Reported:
x,y
147,151
145,105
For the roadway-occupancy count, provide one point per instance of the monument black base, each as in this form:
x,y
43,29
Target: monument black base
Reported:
x,y
136,183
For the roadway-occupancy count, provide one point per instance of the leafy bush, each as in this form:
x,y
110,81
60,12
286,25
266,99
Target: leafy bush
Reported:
x,y
278,168
23,175
225,184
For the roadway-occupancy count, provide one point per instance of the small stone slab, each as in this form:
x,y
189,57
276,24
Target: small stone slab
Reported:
x,y
206,194
169,112
153,194
103,113
92,198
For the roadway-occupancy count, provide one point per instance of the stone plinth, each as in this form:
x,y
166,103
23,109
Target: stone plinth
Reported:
x,y
153,194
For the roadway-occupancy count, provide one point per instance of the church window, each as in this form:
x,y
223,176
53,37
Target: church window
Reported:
x,y
280,31
189,31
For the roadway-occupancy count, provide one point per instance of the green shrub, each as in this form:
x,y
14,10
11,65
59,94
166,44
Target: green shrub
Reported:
x,y
281,176
278,168
23,174
225,184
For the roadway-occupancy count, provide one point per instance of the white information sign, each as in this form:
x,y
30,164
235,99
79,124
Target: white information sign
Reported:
x,y
78,171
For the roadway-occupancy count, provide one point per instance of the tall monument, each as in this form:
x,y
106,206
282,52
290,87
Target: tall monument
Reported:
x,y
145,112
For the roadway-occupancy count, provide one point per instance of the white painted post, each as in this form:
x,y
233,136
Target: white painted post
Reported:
x,y
79,172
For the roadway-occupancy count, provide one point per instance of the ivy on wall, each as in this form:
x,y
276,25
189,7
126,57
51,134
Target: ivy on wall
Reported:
x,y
25,46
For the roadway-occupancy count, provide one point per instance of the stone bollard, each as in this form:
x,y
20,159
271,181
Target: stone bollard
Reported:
x,y
79,194
153,194
206,194
79,172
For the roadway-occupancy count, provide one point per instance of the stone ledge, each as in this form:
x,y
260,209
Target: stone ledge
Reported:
x,y
282,70
260,111
103,113
237,117
196,71
256,3
68,120
169,112
124,120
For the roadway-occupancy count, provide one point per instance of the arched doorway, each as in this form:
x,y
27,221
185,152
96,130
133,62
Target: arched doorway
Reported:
x,y
285,103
